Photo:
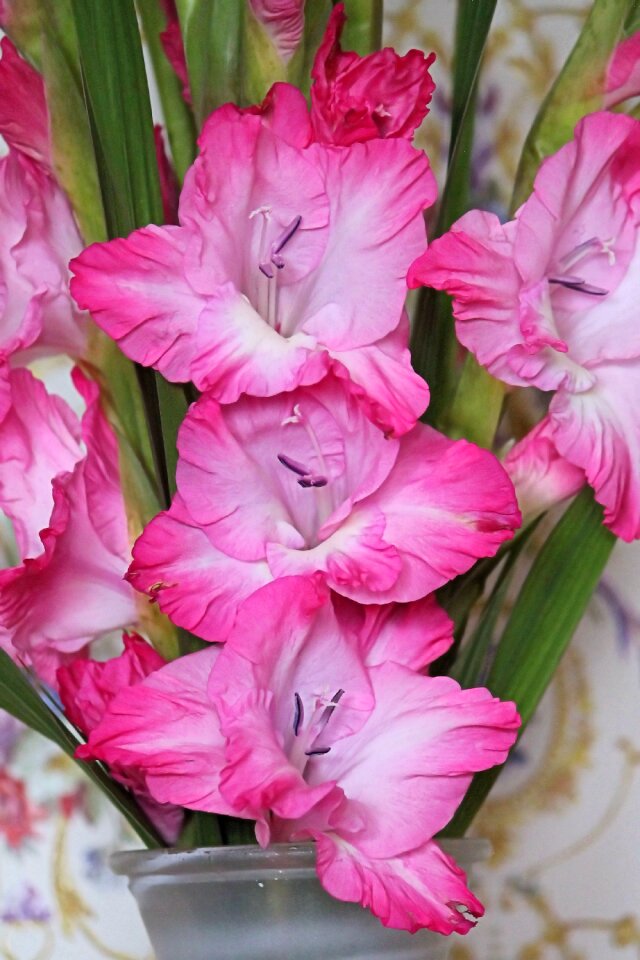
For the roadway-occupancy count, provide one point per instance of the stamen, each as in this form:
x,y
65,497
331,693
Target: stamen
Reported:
x,y
325,716
579,252
265,267
280,242
307,479
580,285
320,752
298,716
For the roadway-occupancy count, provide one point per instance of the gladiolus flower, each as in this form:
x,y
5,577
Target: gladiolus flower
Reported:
x,y
68,514
288,259
355,98
550,299
303,483
284,22
289,726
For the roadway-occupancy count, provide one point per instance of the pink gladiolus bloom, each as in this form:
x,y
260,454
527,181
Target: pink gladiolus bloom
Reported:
x,y
25,130
623,73
38,236
68,515
303,483
284,22
288,725
355,98
549,299
87,687
288,259
541,477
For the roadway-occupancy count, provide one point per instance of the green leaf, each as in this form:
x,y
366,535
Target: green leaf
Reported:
x,y
476,407
470,667
434,348
212,31
70,132
577,90
39,712
178,117
363,29
545,615
117,99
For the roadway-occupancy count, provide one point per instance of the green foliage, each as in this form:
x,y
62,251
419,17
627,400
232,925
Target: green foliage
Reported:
x,y
178,117
546,612
434,348
576,91
117,100
363,29
213,33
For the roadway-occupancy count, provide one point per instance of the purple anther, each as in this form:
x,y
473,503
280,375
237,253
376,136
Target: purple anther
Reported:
x,y
265,268
294,465
579,285
280,242
320,752
298,716
313,480
580,250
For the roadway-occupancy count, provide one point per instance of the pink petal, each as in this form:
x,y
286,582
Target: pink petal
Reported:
x,y
421,888
38,236
35,421
25,130
599,432
473,262
541,477
378,192
284,110
412,761
193,582
623,72
445,504
173,46
392,395
411,634
284,22
357,98
167,728
87,687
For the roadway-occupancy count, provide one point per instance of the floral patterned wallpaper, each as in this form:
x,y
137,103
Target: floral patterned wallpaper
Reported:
x,y
564,881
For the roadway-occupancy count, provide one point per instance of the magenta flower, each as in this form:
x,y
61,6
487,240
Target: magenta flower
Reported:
x,y
26,131
87,687
289,259
549,299
70,526
303,483
299,731
623,72
541,477
355,98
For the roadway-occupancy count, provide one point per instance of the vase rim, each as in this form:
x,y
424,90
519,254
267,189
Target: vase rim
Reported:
x,y
244,862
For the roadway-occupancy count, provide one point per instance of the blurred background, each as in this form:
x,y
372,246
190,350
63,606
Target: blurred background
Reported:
x,y
564,880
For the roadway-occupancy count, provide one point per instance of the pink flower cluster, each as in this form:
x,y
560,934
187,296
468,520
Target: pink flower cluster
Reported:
x,y
314,515
549,300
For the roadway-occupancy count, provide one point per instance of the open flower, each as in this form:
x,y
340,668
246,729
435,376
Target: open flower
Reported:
x,y
289,726
68,515
87,687
550,298
302,483
287,258
356,98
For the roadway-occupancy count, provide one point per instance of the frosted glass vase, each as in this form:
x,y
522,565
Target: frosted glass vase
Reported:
x,y
244,903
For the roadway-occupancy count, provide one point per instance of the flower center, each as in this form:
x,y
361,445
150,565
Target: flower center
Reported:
x,y
311,737
270,262
573,281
